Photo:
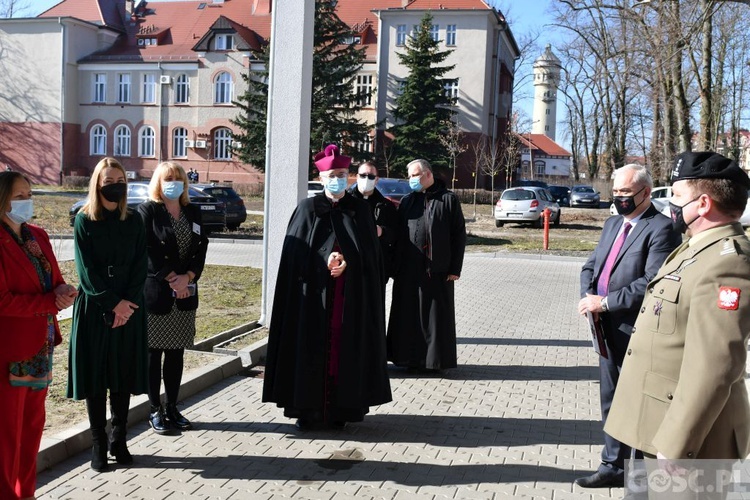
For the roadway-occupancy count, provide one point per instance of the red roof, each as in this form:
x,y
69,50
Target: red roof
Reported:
x,y
187,22
540,142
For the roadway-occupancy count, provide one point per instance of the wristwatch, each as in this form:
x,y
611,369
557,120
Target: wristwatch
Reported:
x,y
605,306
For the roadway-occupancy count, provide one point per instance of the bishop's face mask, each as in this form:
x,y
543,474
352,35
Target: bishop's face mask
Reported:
x,y
678,220
626,205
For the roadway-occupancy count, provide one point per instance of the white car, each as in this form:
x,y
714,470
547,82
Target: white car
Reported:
x,y
313,188
526,204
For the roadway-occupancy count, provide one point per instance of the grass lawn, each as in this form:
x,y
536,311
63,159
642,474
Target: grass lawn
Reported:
x,y
229,297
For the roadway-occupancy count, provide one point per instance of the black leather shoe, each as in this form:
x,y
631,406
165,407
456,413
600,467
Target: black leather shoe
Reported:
x,y
99,455
119,450
338,424
303,425
175,418
602,480
158,421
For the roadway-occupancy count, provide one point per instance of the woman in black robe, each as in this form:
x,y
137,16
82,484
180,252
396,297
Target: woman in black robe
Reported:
x,y
326,360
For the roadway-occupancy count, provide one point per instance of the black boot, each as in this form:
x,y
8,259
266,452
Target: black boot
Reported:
x,y
119,404
158,421
175,418
96,407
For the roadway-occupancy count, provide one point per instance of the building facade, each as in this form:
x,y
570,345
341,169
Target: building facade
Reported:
x,y
152,81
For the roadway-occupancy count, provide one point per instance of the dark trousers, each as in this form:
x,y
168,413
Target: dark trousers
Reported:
x,y
614,452
171,372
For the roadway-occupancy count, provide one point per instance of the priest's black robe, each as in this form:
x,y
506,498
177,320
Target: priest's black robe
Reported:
x,y
430,246
299,374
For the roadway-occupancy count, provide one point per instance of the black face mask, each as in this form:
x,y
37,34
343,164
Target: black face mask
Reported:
x,y
114,192
678,221
626,205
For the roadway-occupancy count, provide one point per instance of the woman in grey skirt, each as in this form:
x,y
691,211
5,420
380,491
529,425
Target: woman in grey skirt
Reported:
x,y
176,246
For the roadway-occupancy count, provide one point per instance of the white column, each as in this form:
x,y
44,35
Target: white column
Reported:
x,y
288,141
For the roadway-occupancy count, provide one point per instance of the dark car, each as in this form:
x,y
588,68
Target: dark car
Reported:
x,y
584,196
561,195
212,210
234,205
530,183
393,189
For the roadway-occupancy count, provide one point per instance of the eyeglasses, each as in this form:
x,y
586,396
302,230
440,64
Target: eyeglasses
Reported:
x,y
367,176
340,175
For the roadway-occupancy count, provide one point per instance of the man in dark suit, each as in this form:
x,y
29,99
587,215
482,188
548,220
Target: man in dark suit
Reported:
x,y
632,248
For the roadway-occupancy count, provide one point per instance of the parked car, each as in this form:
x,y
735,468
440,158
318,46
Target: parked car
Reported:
x,y
313,188
212,210
584,196
659,197
234,205
561,194
530,183
393,189
526,204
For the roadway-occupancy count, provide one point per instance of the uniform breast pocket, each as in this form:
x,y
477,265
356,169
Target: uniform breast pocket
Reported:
x,y
666,295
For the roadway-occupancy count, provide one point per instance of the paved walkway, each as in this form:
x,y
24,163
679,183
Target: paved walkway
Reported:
x,y
517,419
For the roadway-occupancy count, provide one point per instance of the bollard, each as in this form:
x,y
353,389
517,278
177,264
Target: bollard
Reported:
x,y
545,214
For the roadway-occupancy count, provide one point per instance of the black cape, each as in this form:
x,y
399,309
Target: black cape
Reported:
x,y
295,376
430,244
384,212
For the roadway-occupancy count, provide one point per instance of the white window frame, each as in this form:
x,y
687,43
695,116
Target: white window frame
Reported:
x,y
450,35
98,144
122,141
365,144
451,88
223,144
224,42
540,167
435,32
148,88
146,142
182,89
100,87
123,87
223,88
363,88
179,136
400,35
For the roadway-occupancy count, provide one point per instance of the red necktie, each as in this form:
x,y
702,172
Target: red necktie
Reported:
x,y
602,284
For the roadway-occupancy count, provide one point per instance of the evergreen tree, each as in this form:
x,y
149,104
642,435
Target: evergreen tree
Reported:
x,y
252,118
336,62
423,110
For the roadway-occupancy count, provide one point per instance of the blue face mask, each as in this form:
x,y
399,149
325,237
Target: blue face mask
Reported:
x,y
336,185
414,183
172,189
21,211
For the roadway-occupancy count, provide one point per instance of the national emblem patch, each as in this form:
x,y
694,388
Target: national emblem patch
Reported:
x,y
729,298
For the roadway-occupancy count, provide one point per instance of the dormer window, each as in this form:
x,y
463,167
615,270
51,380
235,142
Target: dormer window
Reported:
x,y
224,42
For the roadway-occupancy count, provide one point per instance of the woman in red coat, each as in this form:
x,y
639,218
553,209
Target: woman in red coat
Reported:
x,y
32,291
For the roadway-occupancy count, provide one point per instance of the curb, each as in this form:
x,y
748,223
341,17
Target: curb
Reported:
x,y
70,442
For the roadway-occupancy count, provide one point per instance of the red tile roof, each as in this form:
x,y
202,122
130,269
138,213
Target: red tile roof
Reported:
x,y
540,142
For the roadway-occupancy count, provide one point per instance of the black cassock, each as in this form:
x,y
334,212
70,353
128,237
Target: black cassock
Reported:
x,y
315,371
430,245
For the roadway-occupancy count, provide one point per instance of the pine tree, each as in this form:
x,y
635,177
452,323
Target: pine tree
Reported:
x,y
336,62
252,118
423,110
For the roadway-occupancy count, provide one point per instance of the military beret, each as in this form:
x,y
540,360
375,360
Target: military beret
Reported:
x,y
708,165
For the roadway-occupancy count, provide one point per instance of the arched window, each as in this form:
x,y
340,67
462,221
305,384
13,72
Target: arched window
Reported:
x,y
223,144
146,141
182,90
98,140
179,147
122,141
223,88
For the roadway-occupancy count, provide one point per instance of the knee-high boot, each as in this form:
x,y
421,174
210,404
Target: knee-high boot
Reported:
x,y
96,407
119,406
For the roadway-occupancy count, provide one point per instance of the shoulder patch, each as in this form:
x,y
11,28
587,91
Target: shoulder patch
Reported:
x,y
728,248
729,298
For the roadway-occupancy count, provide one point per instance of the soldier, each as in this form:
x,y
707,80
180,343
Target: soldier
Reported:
x,y
682,392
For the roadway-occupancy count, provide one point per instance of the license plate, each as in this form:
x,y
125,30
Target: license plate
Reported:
x,y
515,215
208,207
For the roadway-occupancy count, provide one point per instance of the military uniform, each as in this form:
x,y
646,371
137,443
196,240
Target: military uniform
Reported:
x,y
682,389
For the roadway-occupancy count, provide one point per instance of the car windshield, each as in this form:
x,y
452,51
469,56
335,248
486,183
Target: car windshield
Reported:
x,y
518,194
583,189
390,186
220,192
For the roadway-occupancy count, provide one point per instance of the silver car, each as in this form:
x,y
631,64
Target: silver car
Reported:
x,y
526,204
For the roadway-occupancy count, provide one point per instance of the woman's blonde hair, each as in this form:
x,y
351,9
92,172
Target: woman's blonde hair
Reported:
x,y
93,207
162,169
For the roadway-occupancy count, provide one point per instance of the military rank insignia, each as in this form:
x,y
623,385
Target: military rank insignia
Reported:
x,y
729,298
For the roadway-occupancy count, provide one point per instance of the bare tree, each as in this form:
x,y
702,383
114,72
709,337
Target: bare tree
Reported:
x,y
452,141
14,8
492,165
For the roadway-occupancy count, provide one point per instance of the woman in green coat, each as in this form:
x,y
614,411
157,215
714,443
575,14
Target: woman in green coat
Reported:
x,y
108,344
